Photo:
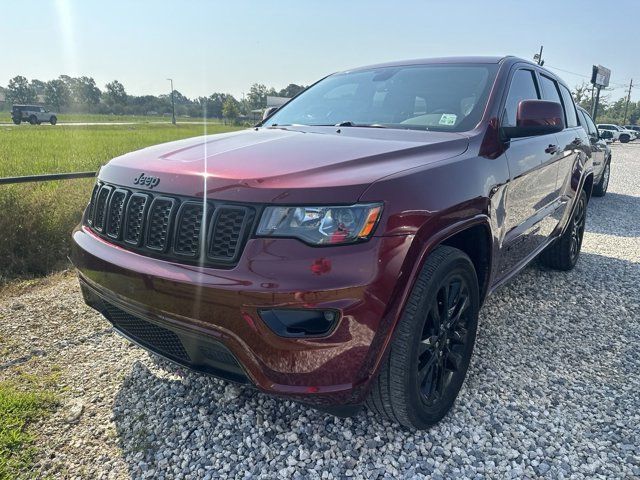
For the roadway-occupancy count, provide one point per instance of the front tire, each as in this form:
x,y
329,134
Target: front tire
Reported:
x,y
33,120
53,120
429,355
17,121
624,138
563,253
600,189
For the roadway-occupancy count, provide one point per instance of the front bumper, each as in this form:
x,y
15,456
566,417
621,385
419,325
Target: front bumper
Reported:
x,y
214,313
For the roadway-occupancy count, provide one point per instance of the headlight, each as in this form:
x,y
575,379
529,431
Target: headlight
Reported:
x,y
321,225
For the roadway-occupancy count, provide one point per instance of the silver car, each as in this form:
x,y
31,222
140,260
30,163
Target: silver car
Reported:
x,y
34,114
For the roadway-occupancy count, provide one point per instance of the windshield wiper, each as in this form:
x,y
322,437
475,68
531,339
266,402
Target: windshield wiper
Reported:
x,y
349,123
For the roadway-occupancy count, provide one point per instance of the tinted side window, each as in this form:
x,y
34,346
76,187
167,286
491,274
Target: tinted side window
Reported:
x,y
523,87
569,107
590,125
549,89
583,121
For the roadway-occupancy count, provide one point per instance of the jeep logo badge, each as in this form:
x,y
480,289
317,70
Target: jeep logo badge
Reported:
x,y
146,180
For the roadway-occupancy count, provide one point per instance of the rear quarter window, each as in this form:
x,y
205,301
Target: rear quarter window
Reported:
x,y
569,107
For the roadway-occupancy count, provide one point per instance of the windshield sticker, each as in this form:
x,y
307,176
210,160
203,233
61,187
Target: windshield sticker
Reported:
x,y
448,119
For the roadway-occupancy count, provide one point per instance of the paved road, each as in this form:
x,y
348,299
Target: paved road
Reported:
x,y
552,391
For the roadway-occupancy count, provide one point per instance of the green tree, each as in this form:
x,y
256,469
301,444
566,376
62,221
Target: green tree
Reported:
x,y
57,94
230,108
38,86
582,95
291,90
115,93
83,90
19,91
257,96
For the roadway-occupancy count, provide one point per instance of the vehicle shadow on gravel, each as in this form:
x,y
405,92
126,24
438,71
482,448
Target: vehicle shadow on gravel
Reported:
x,y
614,214
550,392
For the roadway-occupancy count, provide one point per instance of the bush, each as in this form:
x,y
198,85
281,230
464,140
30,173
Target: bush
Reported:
x,y
36,221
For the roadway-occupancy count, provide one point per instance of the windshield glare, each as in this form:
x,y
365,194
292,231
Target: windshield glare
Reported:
x,y
424,97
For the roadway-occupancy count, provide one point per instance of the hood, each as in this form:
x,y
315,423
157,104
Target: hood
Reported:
x,y
275,165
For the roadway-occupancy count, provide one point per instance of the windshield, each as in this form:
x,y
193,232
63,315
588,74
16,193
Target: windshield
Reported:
x,y
425,97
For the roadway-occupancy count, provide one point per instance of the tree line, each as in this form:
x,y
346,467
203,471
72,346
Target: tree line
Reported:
x,y
81,95
609,111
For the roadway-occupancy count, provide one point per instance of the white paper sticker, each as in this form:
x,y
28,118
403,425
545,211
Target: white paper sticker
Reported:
x,y
448,119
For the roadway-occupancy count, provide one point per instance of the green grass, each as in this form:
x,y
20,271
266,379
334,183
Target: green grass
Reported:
x,y
36,219
29,150
20,406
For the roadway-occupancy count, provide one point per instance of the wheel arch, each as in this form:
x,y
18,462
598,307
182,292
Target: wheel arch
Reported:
x,y
587,185
463,235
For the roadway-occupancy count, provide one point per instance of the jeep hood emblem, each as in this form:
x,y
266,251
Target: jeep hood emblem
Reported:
x,y
146,180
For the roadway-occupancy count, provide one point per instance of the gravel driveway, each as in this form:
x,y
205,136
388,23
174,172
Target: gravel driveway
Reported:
x,y
553,390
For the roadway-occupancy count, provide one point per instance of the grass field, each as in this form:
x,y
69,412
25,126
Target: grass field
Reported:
x,y
37,218
29,150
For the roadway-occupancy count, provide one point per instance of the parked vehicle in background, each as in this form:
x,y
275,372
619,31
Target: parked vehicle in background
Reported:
x,y
632,133
339,252
635,128
619,133
600,154
34,114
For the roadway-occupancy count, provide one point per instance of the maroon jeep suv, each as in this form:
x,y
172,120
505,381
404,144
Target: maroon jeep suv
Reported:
x,y
339,252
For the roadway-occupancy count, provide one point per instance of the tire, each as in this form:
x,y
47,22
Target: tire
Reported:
x,y
600,189
53,120
624,138
427,362
563,253
17,121
33,120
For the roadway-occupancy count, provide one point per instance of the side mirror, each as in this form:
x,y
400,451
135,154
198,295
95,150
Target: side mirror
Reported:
x,y
268,112
536,117
605,134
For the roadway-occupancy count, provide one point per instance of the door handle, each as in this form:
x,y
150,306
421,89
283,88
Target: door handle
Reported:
x,y
551,149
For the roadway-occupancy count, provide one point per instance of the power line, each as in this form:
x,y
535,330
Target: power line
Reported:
x,y
619,85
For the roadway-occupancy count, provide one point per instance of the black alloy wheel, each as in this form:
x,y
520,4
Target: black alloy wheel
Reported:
x,y
444,339
577,227
429,355
563,253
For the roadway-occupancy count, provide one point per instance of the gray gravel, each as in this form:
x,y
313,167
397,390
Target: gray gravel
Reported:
x,y
553,389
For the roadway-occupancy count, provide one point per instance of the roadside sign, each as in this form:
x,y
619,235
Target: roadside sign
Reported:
x,y
600,76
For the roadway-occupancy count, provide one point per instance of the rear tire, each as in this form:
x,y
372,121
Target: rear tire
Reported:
x,y
429,355
624,138
53,120
600,189
563,253
33,120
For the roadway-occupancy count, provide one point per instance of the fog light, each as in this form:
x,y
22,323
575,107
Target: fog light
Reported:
x,y
299,323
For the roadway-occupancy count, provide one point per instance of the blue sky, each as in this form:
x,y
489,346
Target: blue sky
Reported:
x,y
225,46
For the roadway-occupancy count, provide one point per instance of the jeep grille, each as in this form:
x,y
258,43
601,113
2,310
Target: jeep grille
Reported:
x,y
168,227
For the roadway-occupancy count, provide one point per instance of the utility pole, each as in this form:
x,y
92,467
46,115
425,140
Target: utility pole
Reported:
x,y
626,107
538,57
173,104
594,111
